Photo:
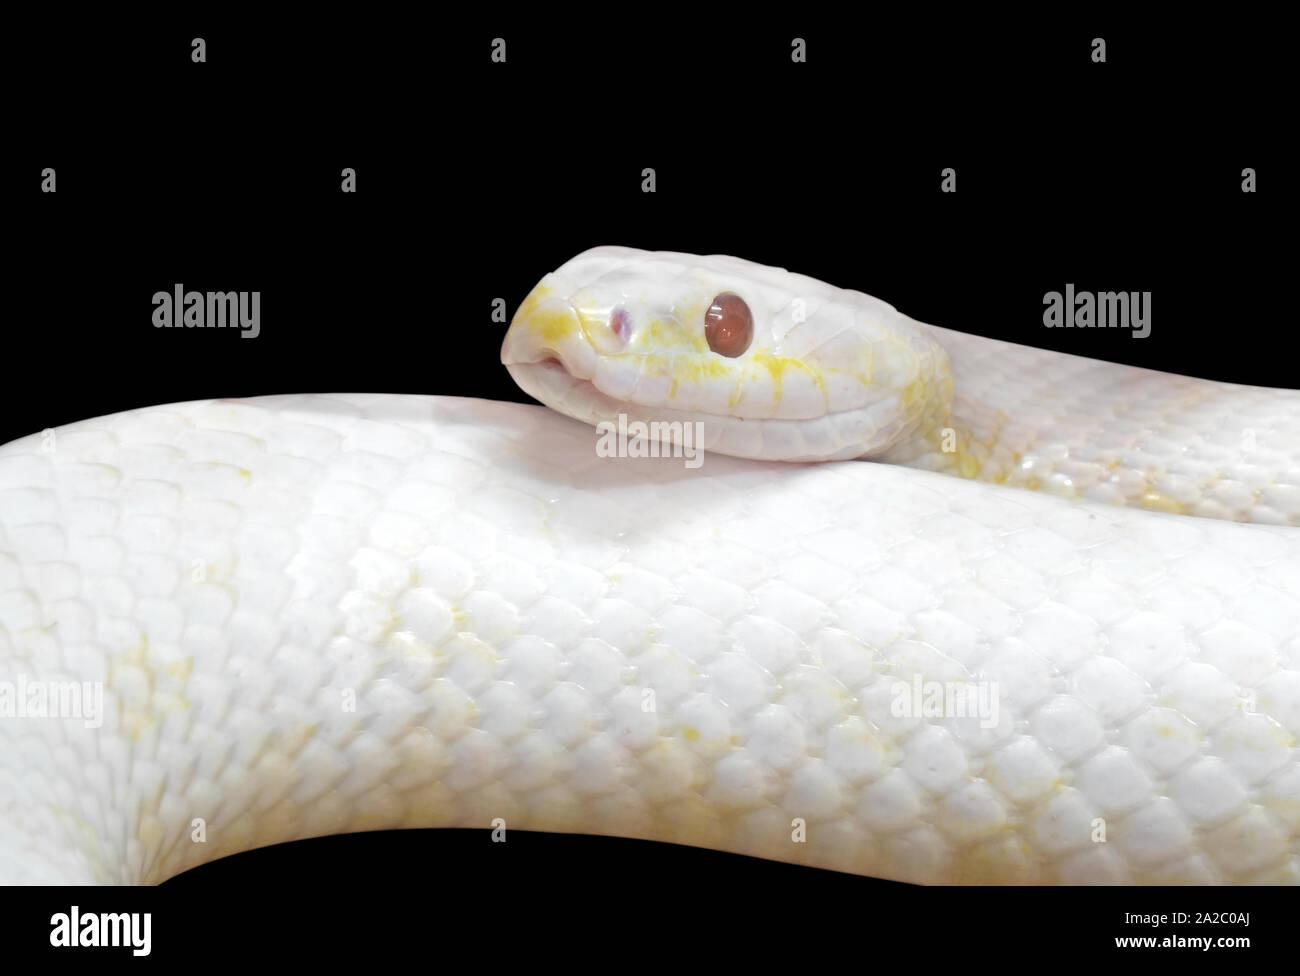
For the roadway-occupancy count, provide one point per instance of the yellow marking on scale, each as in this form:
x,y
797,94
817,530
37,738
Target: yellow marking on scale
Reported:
x,y
670,334
181,669
1156,501
550,323
701,368
778,366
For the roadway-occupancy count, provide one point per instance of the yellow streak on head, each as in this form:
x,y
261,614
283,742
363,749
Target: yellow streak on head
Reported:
x,y
778,366
666,335
658,364
699,368
696,369
550,323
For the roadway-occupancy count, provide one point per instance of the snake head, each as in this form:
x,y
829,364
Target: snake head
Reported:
x,y
774,365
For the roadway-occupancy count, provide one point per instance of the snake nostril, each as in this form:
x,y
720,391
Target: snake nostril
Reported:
x,y
620,325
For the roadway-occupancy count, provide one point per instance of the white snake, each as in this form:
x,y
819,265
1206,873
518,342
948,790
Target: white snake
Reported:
x,y
317,614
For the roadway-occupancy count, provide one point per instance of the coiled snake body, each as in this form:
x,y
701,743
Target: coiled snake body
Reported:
x,y
316,614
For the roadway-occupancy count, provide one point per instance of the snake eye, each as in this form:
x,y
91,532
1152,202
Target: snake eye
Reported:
x,y
728,325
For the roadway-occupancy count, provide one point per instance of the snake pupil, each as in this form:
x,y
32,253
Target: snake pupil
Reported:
x,y
728,325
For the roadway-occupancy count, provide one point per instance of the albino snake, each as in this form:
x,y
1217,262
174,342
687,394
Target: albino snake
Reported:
x,y
316,614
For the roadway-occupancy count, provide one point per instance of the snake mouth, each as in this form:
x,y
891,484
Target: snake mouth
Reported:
x,y
550,375
829,438
548,380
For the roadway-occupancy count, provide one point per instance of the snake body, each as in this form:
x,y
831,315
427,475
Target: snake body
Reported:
x,y
317,614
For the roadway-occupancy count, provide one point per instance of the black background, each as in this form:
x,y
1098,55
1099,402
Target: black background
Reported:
x,y
474,179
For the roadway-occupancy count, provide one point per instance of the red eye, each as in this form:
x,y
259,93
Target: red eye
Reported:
x,y
728,325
